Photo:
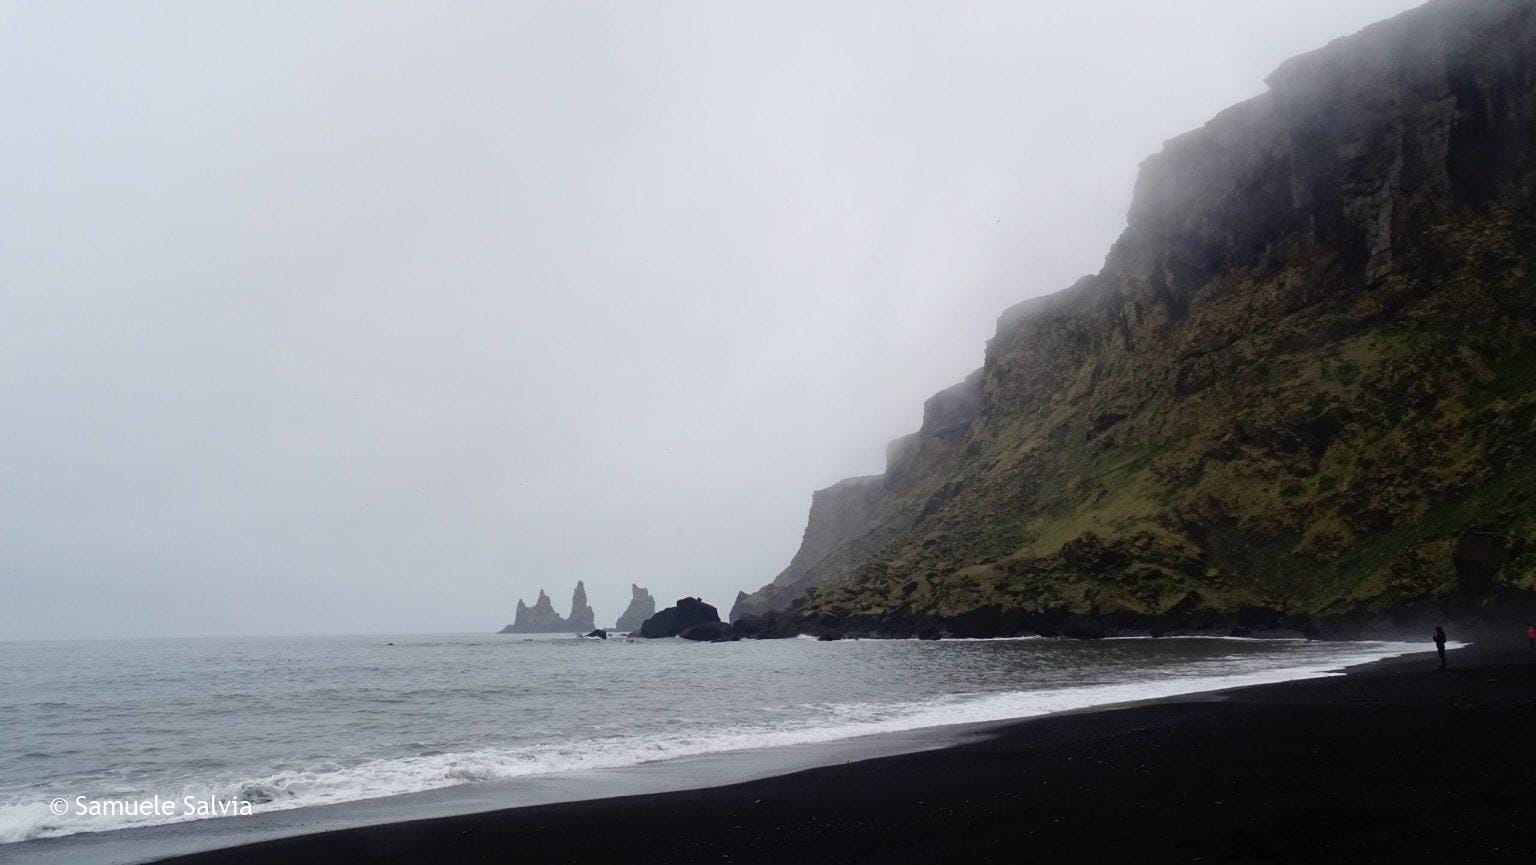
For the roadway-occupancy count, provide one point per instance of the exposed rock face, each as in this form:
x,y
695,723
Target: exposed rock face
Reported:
x,y
581,618
839,514
641,607
673,621
710,632
541,618
1300,388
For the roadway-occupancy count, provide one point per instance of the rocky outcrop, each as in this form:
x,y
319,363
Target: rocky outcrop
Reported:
x,y
641,607
673,621
1300,390
581,618
844,513
839,514
541,618
709,632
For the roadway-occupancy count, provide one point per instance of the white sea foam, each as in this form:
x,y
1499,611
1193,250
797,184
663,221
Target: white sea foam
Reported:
x,y
384,777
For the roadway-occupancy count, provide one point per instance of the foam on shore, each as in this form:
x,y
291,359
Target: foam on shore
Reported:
x,y
333,784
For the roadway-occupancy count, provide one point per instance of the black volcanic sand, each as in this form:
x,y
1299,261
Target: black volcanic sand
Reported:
x,y
1396,762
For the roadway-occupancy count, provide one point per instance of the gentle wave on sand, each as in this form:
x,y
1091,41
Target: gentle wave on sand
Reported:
x,y
622,706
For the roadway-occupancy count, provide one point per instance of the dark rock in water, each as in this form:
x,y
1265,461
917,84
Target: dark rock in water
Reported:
x,y
599,633
641,607
768,626
541,618
713,632
672,621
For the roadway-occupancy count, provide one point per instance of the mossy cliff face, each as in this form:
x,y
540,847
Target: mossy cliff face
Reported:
x,y
1303,385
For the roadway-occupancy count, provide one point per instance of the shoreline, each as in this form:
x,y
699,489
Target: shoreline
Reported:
x,y
1395,761
696,773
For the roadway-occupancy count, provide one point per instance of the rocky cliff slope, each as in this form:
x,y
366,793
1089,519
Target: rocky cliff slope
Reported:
x,y
541,618
1302,389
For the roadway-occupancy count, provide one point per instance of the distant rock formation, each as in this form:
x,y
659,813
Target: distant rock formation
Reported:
x,y
541,618
674,621
641,607
581,615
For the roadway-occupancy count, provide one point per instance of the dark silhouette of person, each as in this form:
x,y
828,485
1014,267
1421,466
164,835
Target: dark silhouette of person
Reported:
x,y
1440,644
1530,634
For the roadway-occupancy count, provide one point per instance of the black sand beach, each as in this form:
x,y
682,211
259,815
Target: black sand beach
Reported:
x,y
1396,762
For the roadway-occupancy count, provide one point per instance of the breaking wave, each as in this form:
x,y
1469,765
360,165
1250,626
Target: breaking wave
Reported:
x,y
330,783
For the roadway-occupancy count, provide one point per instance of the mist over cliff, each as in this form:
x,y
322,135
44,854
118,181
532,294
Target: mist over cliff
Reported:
x,y
1303,385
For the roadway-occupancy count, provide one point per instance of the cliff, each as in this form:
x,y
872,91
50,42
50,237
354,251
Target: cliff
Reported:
x,y
641,607
839,514
1302,388
541,618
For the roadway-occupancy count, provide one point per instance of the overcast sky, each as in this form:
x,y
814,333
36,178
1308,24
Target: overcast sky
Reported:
x,y
364,317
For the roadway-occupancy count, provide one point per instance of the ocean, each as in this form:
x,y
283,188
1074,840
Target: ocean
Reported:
x,y
265,724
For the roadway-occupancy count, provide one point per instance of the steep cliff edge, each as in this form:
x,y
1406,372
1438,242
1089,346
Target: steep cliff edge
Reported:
x,y
839,514
1303,386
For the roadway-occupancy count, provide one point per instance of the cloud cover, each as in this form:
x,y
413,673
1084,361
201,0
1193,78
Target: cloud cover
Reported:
x,y
357,317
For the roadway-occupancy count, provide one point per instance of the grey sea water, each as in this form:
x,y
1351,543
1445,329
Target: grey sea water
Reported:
x,y
280,723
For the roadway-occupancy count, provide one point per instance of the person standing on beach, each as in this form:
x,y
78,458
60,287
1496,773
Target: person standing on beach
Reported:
x,y
1440,644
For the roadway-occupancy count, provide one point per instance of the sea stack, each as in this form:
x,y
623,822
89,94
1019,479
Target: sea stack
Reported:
x,y
541,618
581,618
641,607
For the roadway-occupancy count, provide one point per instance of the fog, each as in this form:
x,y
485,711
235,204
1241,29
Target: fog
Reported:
x,y
370,318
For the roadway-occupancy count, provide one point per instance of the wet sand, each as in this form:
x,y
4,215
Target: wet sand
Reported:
x,y
1395,762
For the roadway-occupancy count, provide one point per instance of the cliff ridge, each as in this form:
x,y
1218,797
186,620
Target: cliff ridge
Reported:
x,y
1302,388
